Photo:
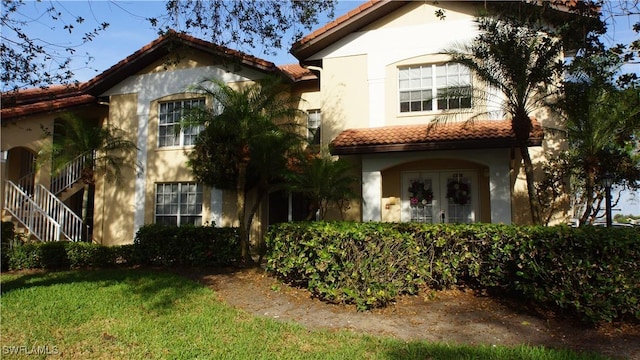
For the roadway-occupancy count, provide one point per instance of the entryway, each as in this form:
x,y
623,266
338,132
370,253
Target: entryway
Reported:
x,y
440,196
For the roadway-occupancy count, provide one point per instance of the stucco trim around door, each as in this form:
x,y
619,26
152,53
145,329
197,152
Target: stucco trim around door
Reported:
x,y
496,160
426,196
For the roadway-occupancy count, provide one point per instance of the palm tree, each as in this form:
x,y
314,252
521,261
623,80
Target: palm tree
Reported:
x,y
108,149
324,181
603,128
522,66
244,145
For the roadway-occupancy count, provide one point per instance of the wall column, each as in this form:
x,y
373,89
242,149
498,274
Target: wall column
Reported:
x,y
371,195
500,193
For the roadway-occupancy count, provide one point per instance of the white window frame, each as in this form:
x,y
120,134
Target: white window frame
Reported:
x,y
314,126
170,114
418,87
182,200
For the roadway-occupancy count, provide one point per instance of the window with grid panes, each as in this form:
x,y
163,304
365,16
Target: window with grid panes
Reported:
x,y
170,114
179,204
420,85
314,119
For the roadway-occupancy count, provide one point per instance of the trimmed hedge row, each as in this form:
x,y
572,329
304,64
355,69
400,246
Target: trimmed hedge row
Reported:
x,y
153,245
187,245
592,273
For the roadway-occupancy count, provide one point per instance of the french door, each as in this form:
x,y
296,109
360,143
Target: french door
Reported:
x,y
440,196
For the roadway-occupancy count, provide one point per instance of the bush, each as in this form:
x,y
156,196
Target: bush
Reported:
x,y
363,263
50,255
8,238
592,273
187,245
154,245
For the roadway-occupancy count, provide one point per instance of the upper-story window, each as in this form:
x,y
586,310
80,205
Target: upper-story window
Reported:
x,y
419,87
314,120
170,114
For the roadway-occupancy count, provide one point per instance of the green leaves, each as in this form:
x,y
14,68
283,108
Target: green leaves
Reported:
x,y
591,273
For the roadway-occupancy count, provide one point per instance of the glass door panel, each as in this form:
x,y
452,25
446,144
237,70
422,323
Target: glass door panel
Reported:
x,y
439,196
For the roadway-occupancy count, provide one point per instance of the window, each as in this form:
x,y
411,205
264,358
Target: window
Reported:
x,y
313,126
179,204
170,133
420,85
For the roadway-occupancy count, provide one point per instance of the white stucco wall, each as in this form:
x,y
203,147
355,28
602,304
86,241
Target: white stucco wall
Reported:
x,y
497,160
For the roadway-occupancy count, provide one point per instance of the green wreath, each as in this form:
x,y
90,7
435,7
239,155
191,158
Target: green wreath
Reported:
x,y
458,192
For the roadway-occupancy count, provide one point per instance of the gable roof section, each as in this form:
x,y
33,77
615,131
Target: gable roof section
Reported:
x,y
456,135
163,46
352,21
60,97
366,14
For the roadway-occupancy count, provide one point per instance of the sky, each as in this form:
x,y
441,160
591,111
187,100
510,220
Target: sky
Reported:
x,y
129,31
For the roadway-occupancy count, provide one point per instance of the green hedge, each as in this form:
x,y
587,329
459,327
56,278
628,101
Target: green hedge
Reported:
x,y
8,239
363,263
60,255
592,273
154,245
187,245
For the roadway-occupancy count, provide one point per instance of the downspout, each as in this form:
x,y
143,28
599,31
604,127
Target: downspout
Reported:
x,y
104,182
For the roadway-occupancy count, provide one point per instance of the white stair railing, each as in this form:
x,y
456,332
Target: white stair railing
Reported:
x,y
20,205
26,183
70,174
71,224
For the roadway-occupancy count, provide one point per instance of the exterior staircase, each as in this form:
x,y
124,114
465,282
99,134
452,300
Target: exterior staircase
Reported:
x,y
41,211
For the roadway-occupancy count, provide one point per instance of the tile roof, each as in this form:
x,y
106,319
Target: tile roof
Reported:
x,y
38,100
352,21
59,97
367,13
457,135
337,22
162,46
297,73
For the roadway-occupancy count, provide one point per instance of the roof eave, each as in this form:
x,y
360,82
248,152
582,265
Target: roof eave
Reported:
x,y
353,21
498,143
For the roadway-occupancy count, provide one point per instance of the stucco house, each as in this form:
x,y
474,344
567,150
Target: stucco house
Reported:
x,y
366,80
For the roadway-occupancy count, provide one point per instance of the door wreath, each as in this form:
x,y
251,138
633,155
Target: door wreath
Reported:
x,y
419,195
458,192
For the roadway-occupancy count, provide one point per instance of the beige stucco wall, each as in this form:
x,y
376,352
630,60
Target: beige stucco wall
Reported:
x,y
353,66
345,98
114,201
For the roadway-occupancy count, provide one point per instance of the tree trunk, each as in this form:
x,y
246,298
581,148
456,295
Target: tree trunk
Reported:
x,y
254,209
85,211
534,203
589,186
244,227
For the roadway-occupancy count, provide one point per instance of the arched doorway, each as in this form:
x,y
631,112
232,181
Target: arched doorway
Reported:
x,y
21,168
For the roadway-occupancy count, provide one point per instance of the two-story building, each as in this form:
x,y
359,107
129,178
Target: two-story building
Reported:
x,y
368,81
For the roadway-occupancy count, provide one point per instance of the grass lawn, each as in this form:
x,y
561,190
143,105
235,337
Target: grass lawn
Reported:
x,y
145,314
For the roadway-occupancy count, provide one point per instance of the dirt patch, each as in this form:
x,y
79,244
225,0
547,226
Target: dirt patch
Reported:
x,y
446,316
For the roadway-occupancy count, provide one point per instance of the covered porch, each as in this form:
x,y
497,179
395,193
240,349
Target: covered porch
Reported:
x,y
452,173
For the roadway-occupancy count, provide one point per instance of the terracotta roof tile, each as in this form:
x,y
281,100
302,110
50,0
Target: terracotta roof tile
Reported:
x,y
141,58
337,22
54,104
479,134
297,72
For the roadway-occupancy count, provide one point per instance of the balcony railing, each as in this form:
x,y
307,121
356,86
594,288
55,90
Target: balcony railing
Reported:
x,y
70,174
